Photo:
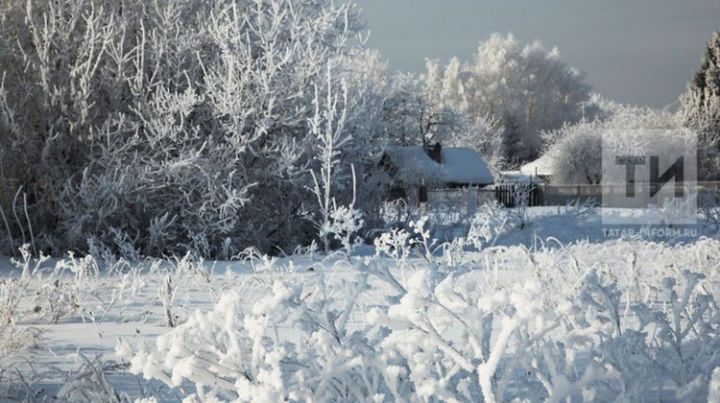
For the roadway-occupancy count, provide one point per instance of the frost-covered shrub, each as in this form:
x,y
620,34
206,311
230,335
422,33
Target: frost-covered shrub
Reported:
x,y
56,299
592,344
15,341
442,335
61,291
155,127
571,329
493,220
89,383
643,348
16,371
65,289
401,243
293,343
577,156
30,266
12,291
172,281
343,225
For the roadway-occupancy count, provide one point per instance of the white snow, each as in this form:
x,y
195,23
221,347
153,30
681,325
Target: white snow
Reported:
x,y
273,328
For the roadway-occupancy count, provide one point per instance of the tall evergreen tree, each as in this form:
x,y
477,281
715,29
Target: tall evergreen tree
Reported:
x,y
512,144
701,108
708,77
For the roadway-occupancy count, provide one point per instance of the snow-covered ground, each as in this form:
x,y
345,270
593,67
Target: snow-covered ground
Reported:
x,y
544,306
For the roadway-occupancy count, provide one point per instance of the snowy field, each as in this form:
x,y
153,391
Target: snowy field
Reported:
x,y
539,307
270,136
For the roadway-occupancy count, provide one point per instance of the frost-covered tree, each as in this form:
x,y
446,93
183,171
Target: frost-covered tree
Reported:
x,y
415,114
575,151
529,83
577,157
701,107
701,101
172,125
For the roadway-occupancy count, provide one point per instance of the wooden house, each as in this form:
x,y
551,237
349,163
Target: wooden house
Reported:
x,y
415,170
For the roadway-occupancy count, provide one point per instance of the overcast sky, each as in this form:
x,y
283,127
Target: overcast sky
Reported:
x,y
634,51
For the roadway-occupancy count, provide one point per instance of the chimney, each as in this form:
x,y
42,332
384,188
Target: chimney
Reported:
x,y
435,153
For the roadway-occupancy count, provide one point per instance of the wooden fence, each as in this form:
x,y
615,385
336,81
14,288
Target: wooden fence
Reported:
x,y
511,195
559,195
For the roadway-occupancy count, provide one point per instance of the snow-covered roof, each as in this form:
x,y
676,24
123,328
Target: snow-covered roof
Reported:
x,y
540,167
461,166
464,166
413,166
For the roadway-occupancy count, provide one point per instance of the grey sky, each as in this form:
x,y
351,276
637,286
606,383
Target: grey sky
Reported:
x,y
634,51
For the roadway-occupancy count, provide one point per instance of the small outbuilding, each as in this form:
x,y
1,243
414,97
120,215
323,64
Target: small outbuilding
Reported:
x,y
541,168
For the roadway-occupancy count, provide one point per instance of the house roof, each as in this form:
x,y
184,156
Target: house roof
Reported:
x,y
464,166
461,166
412,165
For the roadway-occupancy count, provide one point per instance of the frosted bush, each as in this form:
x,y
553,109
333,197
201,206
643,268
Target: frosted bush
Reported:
x,y
442,334
493,220
204,142
16,370
614,348
578,326
89,383
173,279
343,225
394,243
12,292
66,289
61,289
293,343
57,299
15,341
